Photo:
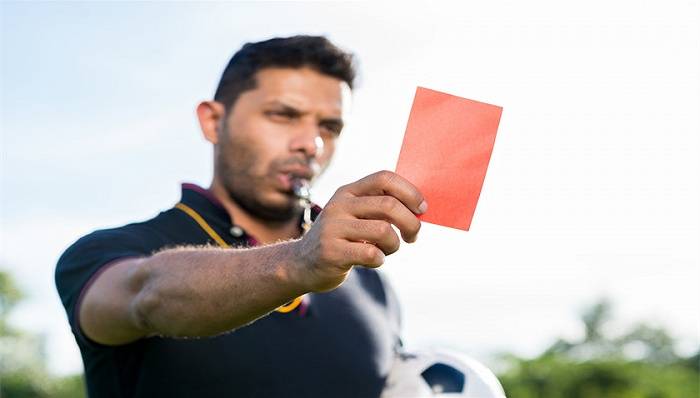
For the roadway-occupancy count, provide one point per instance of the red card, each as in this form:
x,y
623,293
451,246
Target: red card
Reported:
x,y
445,153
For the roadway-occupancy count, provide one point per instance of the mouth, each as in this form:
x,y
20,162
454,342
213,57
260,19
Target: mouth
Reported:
x,y
295,177
291,181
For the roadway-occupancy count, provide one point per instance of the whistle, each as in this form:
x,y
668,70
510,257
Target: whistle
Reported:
x,y
302,190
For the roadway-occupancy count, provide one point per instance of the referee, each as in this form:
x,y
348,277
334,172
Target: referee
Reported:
x,y
245,288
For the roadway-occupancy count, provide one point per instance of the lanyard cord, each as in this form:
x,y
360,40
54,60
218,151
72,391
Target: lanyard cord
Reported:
x,y
289,307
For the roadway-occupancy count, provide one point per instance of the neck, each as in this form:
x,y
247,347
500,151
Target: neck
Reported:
x,y
264,231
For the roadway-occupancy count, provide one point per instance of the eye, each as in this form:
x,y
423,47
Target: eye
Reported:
x,y
281,115
332,128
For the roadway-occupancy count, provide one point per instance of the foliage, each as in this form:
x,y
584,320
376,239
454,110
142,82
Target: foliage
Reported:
x,y
30,383
9,296
641,363
23,372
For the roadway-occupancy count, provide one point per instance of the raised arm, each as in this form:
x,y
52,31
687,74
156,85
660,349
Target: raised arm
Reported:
x,y
189,292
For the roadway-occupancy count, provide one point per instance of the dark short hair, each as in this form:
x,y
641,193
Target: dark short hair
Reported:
x,y
315,52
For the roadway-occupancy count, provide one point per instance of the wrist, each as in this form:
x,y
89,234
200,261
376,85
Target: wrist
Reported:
x,y
293,270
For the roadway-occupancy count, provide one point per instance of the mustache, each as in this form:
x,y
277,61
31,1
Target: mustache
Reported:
x,y
298,163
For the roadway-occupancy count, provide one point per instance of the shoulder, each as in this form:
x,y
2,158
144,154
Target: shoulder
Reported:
x,y
377,284
138,237
131,237
89,253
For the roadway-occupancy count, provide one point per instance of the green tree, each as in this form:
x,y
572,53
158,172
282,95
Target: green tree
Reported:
x,y
640,363
9,296
23,372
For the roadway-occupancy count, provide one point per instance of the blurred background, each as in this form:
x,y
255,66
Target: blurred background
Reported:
x,y
579,277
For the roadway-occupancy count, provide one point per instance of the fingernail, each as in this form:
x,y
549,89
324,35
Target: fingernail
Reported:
x,y
423,207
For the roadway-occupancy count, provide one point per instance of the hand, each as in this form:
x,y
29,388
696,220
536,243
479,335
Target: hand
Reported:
x,y
355,229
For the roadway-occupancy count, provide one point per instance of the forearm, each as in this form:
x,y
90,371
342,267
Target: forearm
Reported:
x,y
189,292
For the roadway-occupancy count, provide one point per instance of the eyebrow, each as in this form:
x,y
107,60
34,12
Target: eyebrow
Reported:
x,y
287,108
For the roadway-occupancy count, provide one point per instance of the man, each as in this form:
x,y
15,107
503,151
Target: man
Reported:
x,y
224,294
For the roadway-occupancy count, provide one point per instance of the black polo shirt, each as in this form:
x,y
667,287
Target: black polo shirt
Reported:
x,y
336,344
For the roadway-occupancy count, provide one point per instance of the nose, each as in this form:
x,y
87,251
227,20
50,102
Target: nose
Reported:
x,y
307,139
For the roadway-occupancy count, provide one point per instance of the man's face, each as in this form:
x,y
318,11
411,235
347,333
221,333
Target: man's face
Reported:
x,y
283,130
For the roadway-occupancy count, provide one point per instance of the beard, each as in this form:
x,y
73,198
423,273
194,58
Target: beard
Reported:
x,y
236,164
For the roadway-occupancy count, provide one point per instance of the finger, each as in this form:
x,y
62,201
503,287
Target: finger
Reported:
x,y
389,183
385,208
364,254
380,233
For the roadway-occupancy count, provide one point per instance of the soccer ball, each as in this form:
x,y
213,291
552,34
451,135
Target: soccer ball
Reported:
x,y
432,373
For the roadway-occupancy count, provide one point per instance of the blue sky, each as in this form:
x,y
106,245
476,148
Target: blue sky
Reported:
x,y
592,189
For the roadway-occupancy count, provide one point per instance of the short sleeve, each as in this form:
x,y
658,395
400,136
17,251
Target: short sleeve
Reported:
x,y
83,261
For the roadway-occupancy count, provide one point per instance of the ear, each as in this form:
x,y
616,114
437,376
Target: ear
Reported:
x,y
210,115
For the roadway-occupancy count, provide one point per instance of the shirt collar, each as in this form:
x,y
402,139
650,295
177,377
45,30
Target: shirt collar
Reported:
x,y
211,208
204,201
